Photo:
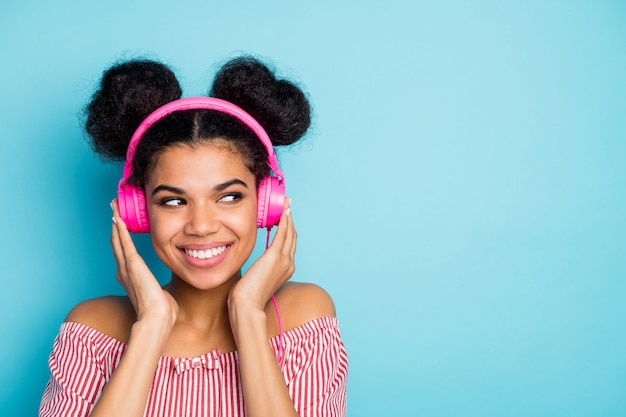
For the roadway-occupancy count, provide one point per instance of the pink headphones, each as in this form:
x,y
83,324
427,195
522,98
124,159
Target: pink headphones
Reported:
x,y
271,189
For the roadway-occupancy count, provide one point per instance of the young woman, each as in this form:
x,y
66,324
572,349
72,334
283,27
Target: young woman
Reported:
x,y
200,176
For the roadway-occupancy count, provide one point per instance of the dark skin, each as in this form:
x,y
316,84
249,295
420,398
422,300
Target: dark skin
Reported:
x,y
115,315
208,304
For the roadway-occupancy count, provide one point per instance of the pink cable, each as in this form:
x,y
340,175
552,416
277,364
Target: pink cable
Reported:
x,y
280,337
280,321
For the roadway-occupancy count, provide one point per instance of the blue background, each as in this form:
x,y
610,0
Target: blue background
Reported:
x,y
461,196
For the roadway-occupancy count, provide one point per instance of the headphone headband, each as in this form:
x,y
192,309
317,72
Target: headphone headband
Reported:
x,y
270,190
201,103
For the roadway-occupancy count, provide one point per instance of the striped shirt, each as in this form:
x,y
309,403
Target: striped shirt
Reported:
x,y
315,369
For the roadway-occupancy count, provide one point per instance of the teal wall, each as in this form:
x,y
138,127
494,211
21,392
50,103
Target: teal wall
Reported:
x,y
462,195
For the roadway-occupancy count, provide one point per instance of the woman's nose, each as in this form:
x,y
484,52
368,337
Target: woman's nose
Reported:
x,y
202,221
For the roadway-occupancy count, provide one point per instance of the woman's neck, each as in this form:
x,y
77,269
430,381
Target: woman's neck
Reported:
x,y
203,310
202,324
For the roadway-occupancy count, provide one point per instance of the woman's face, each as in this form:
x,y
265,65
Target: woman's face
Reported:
x,y
202,207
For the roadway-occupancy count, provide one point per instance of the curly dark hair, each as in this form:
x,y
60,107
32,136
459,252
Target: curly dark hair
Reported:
x,y
131,90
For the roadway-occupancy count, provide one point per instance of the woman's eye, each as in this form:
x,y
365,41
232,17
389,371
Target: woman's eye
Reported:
x,y
229,198
173,202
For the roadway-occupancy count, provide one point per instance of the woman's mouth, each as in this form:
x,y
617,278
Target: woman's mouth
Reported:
x,y
205,254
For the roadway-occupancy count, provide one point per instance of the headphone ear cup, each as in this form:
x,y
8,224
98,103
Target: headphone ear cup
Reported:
x,y
143,224
270,201
132,204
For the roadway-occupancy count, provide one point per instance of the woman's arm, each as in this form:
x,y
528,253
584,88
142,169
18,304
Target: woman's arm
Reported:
x,y
264,388
127,391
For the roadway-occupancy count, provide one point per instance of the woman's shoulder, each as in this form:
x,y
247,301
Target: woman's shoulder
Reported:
x,y
110,315
300,302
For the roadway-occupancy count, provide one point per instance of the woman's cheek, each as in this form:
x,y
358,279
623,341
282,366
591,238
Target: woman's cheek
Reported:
x,y
163,229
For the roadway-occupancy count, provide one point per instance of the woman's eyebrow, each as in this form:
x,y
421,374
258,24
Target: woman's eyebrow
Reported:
x,y
180,191
225,185
169,188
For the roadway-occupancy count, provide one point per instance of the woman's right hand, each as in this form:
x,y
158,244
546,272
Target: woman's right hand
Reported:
x,y
151,302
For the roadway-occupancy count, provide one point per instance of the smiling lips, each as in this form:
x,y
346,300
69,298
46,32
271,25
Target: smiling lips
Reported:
x,y
205,254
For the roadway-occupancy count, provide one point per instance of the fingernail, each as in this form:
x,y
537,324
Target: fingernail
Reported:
x,y
288,211
111,204
114,221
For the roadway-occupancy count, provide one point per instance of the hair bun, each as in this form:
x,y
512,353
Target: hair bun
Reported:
x,y
278,105
128,92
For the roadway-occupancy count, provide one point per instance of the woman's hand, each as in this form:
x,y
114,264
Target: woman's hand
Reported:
x,y
151,302
271,270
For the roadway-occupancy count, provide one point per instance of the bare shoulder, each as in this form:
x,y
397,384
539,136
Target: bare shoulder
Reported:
x,y
302,302
111,315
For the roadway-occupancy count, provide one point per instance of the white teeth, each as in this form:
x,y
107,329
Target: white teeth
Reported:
x,y
205,254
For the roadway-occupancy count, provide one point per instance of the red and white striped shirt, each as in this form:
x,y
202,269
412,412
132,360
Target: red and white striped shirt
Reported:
x,y
315,371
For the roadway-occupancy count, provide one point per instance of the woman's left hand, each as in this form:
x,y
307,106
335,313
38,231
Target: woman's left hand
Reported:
x,y
271,270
